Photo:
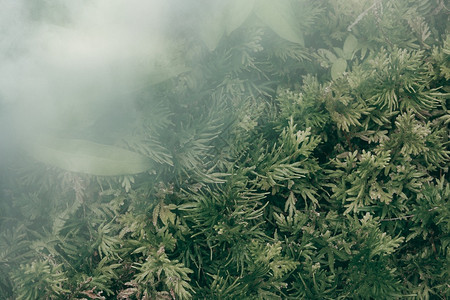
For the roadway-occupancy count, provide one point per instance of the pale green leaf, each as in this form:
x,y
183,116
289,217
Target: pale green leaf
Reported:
x,y
339,52
279,17
88,157
212,27
350,45
238,12
338,68
223,18
328,55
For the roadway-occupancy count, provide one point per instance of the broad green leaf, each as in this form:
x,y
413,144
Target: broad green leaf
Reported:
x,y
279,17
212,34
338,67
339,52
327,54
88,157
225,18
213,23
238,12
363,52
350,45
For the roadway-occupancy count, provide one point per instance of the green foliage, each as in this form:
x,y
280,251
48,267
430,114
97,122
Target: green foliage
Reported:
x,y
301,152
157,270
40,279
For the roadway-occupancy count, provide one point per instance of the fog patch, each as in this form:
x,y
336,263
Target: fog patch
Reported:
x,y
61,74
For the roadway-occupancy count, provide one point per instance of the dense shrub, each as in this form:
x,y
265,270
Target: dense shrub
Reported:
x,y
300,152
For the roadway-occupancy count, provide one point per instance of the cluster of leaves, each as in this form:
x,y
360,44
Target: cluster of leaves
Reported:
x,y
303,154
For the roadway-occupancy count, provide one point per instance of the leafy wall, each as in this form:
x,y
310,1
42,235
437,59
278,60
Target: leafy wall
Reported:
x,y
291,150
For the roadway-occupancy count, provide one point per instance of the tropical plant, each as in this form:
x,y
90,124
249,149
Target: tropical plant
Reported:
x,y
301,151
